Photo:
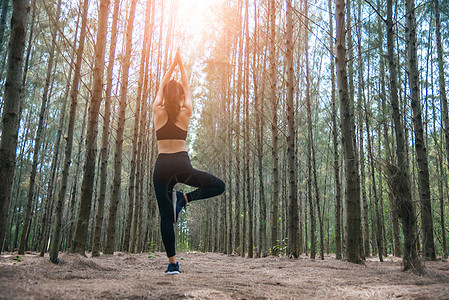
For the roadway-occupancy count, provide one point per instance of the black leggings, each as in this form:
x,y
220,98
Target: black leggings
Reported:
x,y
173,168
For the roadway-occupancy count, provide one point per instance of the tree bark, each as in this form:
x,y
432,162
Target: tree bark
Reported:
x,y
403,196
443,99
310,156
37,143
352,184
292,249
260,148
360,93
136,193
275,242
79,237
248,197
239,237
11,108
104,153
116,188
336,159
420,145
46,219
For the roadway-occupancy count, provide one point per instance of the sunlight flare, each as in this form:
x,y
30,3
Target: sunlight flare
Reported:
x,y
193,16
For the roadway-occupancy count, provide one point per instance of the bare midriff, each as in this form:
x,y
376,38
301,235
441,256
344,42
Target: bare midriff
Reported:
x,y
171,146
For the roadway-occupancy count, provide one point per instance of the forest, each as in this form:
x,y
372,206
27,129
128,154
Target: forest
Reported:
x,y
327,120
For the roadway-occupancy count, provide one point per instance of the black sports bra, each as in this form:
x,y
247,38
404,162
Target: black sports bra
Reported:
x,y
170,132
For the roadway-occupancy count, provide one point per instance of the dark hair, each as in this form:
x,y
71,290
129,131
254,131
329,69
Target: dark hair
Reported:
x,y
173,91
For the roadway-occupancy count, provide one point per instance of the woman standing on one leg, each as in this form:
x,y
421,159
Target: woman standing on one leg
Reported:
x,y
171,110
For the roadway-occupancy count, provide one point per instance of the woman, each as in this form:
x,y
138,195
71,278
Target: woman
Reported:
x,y
171,110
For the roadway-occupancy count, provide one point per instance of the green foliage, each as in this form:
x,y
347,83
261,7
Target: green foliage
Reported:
x,y
282,246
152,248
17,258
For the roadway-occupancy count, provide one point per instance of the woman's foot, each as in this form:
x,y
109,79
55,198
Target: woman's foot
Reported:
x,y
172,269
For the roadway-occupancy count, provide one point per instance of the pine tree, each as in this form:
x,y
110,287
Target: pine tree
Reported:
x,y
79,237
420,144
352,188
11,108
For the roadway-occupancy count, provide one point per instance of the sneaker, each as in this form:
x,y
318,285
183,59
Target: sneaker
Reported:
x,y
172,269
179,202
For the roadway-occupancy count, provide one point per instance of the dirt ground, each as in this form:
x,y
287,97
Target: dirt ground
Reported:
x,y
215,276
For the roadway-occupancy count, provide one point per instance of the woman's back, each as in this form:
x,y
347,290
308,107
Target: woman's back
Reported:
x,y
171,133
171,111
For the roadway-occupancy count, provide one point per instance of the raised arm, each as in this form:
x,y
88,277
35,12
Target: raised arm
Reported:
x,y
185,84
159,96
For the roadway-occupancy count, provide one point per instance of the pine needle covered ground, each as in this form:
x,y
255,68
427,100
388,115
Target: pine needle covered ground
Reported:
x,y
215,276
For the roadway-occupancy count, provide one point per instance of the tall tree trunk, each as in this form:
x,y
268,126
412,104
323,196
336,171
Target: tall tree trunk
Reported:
x,y
79,237
134,214
260,148
310,156
275,242
443,99
401,188
292,173
228,163
46,220
230,228
116,188
351,93
352,183
104,153
37,143
394,220
146,149
360,90
311,149
420,145
239,238
336,160
249,198
136,188
11,109
137,194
